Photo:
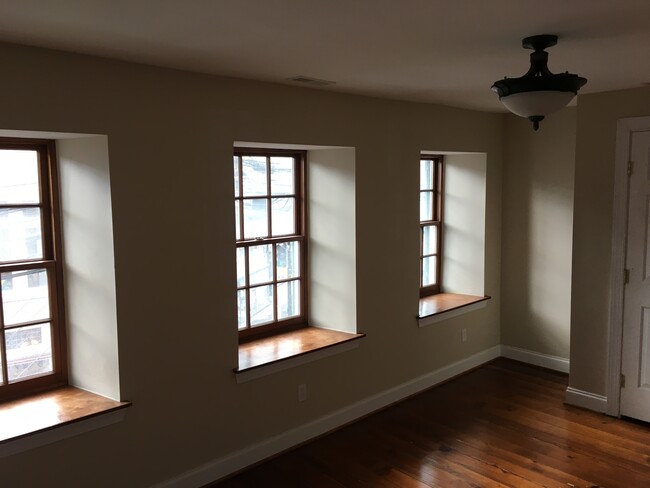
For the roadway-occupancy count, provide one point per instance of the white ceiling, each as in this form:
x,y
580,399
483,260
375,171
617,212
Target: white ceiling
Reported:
x,y
443,51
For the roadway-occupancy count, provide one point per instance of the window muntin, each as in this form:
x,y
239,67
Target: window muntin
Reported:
x,y
32,352
270,239
431,176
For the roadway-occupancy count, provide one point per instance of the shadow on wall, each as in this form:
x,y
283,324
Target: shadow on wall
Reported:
x,y
463,265
537,239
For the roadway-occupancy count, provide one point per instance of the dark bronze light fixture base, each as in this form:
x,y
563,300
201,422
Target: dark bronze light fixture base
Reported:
x,y
536,119
539,43
539,92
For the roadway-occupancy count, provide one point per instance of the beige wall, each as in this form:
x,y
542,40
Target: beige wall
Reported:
x,y
536,241
463,238
89,263
331,245
170,137
592,231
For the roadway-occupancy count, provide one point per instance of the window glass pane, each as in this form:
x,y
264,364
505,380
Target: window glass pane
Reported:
x,y
20,234
7,281
288,299
429,271
241,309
254,175
19,176
426,174
241,267
29,351
429,239
282,176
426,206
260,263
236,163
261,305
288,257
237,222
283,216
25,298
256,223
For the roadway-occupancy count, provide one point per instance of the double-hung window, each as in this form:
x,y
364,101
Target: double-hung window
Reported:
x,y
431,176
270,240
32,346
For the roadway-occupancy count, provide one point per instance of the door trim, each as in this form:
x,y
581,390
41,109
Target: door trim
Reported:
x,y
624,129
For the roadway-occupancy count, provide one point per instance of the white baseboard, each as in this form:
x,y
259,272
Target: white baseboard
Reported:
x,y
238,460
538,359
585,399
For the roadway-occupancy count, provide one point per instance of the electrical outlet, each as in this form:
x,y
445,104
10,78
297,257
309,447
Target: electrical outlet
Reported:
x,y
463,335
302,392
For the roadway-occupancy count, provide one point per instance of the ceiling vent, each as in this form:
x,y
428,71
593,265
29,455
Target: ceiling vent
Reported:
x,y
306,80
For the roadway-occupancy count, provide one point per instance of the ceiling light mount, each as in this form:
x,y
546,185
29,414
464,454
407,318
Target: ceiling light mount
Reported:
x,y
539,92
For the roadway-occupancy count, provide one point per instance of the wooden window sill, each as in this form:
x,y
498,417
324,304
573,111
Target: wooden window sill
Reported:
x,y
282,351
442,306
40,419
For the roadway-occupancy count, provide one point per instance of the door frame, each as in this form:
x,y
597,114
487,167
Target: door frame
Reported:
x,y
624,129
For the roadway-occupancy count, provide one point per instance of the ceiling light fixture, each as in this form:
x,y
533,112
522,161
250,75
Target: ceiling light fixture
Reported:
x,y
539,92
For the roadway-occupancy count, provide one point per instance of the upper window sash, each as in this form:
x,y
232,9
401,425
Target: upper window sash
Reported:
x,y
268,195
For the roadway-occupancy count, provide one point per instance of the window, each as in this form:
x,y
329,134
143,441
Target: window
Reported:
x,y
270,235
32,352
431,175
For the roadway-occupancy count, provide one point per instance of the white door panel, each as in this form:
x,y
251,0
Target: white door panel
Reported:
x,y
635,396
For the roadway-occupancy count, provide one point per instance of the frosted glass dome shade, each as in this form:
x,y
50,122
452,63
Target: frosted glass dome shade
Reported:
x,y
537,103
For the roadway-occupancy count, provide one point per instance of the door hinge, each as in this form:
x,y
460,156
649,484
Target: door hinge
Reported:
x,y
622,380
626,276
630,164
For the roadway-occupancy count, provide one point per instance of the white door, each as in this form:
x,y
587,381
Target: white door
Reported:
x,y
635,395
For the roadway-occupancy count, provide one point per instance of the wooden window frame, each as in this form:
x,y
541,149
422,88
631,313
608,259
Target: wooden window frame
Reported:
x,y
51,261
437,203
300,236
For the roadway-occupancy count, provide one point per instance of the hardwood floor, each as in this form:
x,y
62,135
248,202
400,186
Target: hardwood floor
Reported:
x,y
502,425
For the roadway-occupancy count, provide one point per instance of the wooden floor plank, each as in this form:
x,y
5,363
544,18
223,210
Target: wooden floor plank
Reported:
x,y
442,470
496,453
635,449
560,452
502,425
